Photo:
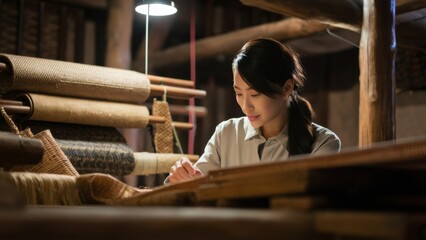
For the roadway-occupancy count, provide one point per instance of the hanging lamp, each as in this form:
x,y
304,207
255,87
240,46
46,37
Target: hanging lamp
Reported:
x,y
156,7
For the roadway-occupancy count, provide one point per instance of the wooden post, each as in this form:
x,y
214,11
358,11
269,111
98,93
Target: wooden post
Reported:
x,y
119,32
377,72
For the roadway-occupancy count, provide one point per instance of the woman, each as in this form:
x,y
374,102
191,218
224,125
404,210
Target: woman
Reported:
x,y
278,122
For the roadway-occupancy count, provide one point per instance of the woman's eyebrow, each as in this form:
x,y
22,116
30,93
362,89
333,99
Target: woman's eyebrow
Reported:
x,y
236,87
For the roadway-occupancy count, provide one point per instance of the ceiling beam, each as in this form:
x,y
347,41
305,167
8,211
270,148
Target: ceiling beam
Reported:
x,y
345,14
101,4
229,43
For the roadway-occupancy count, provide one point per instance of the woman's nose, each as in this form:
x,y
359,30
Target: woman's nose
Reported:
x,y
247,104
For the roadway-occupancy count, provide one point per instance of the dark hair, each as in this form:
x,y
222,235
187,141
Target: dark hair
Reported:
x,y
265,65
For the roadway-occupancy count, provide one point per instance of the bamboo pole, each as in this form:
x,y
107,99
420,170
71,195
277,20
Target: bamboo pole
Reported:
x,y
175,92
200,111
170,81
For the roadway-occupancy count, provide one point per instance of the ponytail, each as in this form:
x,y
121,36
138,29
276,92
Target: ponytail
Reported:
x,y
266,65
300,130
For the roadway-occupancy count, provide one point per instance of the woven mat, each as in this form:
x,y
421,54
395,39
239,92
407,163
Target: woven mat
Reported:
x,y
163,136
99,157
55,77
105,189
83,111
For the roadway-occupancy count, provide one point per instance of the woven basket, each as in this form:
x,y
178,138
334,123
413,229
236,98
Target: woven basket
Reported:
x,y
54,160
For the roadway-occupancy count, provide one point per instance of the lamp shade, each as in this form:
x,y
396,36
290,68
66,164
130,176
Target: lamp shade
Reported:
x,y
156,7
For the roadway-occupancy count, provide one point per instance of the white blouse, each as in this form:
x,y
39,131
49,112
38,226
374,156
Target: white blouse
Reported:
x,y
236,143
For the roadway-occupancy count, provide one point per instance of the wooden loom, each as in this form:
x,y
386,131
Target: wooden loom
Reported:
x,y
227,223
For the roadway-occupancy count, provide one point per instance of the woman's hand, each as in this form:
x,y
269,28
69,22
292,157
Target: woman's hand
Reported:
x,y
183,170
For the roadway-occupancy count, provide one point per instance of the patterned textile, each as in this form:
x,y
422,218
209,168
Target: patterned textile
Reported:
x,y
76,131
99,157
163,136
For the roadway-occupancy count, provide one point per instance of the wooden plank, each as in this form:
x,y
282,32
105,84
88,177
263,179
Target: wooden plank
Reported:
x,y
160,223
380,154
359,202
335,182
299,202
377,120
371,225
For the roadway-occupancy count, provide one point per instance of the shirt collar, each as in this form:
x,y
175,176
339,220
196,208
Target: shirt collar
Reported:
x,y
252,132
249,130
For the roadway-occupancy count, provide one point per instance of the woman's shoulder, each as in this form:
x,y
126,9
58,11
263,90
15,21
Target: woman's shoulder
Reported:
x,y
323,131
325,139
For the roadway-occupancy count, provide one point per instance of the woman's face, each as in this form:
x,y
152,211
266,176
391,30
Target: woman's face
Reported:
x,y
268,114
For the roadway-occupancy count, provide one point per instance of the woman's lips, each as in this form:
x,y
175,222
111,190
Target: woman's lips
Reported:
x,y
252,118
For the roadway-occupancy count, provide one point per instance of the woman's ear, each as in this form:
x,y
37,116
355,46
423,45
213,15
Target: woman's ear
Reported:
x,y
288,87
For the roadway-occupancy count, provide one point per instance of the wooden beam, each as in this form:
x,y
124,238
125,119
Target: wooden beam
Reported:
x,y
403,6
343,13
229,43
377,73
346,14
101,4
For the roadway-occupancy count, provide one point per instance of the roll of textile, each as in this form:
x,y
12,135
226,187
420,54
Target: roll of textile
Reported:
x,y
117,158
29,74
90,149
154,163
99,157
83,111
16,150
78,132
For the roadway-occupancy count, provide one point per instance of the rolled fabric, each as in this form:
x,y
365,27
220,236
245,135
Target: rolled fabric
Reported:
x,y
29,74
83,111
153,163
78,132
99,157
16,150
